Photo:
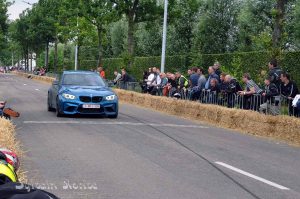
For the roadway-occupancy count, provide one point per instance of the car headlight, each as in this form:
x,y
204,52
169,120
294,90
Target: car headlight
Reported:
x,y
110,98
68,96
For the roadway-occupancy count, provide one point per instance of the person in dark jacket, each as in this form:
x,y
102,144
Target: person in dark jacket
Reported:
x,y
274,73
270,105
233,87
124,79
288,91
213,93
217,66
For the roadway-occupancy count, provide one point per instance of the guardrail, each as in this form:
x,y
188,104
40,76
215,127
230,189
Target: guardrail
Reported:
x,y
277,105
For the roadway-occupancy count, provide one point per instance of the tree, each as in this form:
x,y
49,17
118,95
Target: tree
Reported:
x,y
216,31
3,25
255,25
100,13
136,11
279,18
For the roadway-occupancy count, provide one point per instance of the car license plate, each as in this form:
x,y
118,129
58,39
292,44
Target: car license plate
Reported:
x,y
91,106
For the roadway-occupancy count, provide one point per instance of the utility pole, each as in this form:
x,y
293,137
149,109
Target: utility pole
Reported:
x,y
164,39
12,59
76,49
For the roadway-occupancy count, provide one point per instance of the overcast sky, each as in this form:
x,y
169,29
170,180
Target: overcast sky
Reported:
x,y
18,7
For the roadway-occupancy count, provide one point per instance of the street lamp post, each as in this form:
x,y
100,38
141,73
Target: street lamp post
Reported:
x,y
164,40
76,50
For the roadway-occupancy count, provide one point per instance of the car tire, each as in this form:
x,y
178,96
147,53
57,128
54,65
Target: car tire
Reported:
x,y
57,110
50,108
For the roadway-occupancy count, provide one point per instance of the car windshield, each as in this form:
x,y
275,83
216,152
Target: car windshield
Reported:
x,y
82,80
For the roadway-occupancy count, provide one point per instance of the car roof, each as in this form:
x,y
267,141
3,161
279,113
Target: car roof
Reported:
x,y
78,72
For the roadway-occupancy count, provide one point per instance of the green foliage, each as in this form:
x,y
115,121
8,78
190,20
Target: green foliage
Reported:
x,y
234,64
216,29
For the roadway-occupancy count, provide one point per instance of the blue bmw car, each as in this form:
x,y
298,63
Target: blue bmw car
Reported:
x,y
83,93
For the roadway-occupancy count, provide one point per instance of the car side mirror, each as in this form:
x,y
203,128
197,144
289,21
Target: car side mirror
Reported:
x,y
55,83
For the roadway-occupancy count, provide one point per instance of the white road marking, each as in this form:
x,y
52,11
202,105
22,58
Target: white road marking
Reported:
x,y
37,89
252,176
25,84
114,123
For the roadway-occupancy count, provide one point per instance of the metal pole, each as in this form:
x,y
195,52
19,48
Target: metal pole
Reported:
x,y
164,40
12,59
76,50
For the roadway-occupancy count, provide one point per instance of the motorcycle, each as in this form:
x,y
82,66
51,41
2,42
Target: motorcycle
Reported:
x,y
7,113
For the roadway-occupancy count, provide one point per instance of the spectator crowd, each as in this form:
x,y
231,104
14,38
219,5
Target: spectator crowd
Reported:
x,y
223,89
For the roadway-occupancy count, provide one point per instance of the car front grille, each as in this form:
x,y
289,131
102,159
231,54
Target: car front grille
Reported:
x,y
96,99
87,99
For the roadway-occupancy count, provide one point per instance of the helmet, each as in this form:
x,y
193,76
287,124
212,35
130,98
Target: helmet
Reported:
x,y
10,157
2,104
7,173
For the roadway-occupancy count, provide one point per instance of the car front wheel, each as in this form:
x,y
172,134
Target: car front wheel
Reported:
x,y
58,112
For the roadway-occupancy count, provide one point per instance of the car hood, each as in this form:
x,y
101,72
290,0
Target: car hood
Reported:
x,y
86,90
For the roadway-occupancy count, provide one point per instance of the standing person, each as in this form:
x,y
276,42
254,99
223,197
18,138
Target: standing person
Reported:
x,y
223,84
196,91
211,75
172,85
274,72
156,82
125,79
181,81
217,66
289,90
164,82
213,92
101,72
189,72
269,105
233,87
144,82
194,77
251,95
118,76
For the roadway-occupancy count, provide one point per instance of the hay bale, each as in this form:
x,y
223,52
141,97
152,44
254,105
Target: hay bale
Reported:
x,y
8,140
283,128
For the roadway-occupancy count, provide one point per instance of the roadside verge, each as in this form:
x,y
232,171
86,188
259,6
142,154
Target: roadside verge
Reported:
x,y
8,140
282,128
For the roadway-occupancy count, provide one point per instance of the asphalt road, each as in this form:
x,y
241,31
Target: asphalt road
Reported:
x,y
144,154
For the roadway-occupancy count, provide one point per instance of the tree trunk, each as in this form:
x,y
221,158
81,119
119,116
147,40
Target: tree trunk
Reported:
x,y
278,23
64,53
47,56
31,57
130,38
55,55
100,47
